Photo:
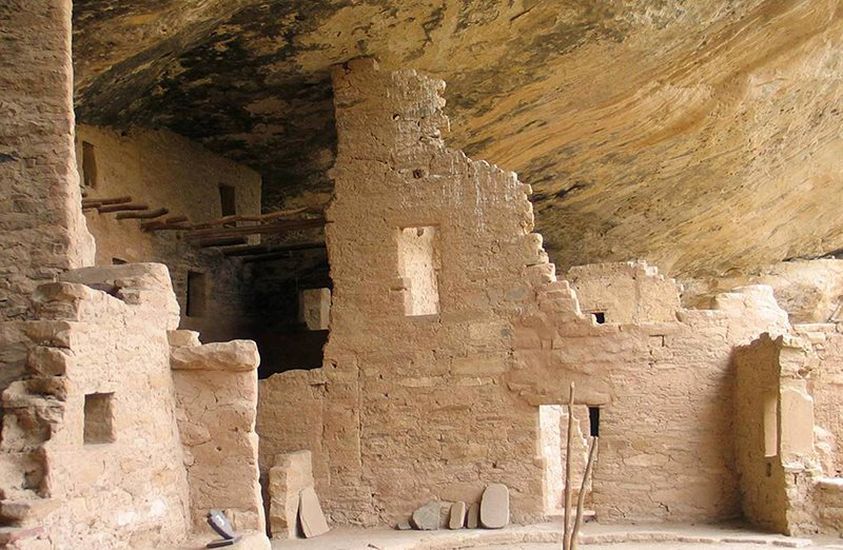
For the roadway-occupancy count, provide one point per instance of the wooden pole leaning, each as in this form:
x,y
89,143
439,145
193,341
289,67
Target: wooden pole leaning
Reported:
x,y
566,543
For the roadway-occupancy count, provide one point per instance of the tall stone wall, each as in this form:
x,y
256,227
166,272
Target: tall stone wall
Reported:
x,y
424,290
433,390
164,170
42,231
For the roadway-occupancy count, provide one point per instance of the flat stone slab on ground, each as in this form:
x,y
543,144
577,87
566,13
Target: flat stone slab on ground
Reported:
x,y
494,506
473,516
426,518
312,519
457,517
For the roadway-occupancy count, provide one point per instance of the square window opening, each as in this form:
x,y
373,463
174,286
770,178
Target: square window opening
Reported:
x,y
599,317
197,294
99,425
418,266
228,200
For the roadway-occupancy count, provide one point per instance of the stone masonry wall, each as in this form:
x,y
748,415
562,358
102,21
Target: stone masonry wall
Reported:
x,y
826,383
42,231
664,390
625,292
216,398
162,169
91,451
436,405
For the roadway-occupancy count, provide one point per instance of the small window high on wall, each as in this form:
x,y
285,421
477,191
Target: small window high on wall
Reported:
x,y
418,266
89,165
228,200
197,294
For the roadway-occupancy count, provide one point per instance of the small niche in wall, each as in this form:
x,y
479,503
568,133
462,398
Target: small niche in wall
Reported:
x,y
418,266
197,294
228,200
99,426
89,165
771,425
594,421
599,317
118,261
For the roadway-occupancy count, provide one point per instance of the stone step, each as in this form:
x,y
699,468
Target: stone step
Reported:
x,y
28,512
12,537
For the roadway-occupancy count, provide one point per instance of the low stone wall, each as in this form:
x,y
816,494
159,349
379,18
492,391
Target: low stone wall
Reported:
x,y
216,398
91,430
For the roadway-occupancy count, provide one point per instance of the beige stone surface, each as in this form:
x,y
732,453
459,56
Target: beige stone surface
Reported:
x,y
312,519
42,231
315,308
809,290
233,356
494,506
105,476
216,400
290,475
457,394
164,170
456,519
625,292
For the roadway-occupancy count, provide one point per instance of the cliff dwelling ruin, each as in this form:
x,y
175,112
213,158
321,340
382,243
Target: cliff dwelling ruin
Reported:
x,y
267,282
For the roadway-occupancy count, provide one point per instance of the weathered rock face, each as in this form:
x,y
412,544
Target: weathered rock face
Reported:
x,y
697,135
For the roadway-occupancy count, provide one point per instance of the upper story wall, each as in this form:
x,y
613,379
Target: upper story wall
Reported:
x,y
162,169
625,292
42,231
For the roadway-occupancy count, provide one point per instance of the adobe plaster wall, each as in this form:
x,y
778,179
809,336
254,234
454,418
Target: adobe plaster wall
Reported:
x,y
42,231
416,407
625,292
126,490
216,398
162,169
826,385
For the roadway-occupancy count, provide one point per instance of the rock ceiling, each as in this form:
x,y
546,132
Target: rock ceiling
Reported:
x,y
701,135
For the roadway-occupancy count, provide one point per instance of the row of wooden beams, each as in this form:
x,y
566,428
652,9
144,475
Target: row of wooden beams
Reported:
x,y
225,220
261,249
279,226
157,213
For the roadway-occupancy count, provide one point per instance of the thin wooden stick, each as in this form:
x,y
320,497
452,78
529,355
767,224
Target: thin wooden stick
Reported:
x,y
581,497
121,207
157,213
566,545
94,203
